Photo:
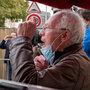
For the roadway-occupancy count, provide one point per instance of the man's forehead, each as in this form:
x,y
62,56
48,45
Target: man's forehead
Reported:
x,y
51,22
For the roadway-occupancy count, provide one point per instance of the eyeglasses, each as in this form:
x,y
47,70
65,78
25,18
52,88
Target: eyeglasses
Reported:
x,y
47,29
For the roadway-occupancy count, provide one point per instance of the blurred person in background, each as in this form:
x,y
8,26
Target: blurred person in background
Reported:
x,y
86,42
4,44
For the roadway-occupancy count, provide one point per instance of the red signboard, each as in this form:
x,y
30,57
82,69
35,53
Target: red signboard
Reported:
x,y
37,18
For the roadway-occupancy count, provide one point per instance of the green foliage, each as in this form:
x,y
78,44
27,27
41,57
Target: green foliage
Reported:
x,y
13,9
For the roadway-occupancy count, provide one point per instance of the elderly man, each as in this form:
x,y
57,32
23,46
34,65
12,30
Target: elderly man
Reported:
x,y
69,66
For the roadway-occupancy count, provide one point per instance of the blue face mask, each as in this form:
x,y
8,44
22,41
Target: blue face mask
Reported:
x,y
48,53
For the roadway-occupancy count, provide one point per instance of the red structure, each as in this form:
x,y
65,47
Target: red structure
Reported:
x,y
65,3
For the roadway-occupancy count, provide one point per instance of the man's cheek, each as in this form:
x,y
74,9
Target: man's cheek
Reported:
x,y
43,38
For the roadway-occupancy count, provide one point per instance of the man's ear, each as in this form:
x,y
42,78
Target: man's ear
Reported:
x,y
65,36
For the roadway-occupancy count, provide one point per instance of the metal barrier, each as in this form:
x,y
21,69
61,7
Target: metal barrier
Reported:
x,y
11,85
4,69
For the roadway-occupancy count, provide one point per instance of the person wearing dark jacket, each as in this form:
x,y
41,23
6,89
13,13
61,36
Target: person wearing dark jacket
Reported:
x,y
4,44
62,35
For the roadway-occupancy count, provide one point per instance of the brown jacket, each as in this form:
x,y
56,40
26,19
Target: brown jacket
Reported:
x,y
71,71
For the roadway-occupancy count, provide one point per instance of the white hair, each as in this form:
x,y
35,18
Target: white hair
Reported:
x,y
74,23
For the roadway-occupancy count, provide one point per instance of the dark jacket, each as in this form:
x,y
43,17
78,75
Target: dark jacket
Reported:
x,y
71,71
5,45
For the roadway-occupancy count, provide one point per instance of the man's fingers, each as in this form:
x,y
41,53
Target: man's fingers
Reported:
x,y
32,20
26,28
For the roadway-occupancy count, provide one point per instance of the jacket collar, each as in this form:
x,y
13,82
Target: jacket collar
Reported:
x,y
69,50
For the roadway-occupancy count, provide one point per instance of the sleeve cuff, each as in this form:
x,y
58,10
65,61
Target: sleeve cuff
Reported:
x,y
19,40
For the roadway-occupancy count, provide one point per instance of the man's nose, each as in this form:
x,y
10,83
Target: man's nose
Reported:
x,y
41,33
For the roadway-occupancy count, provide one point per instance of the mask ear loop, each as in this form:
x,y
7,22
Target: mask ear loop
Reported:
x,y
56,48
55,40
51,47
53,53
